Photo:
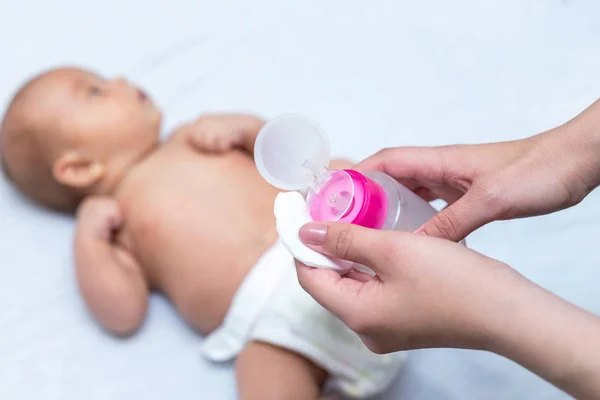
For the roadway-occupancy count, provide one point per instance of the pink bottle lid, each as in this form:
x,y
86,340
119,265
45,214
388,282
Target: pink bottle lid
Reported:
x,y
347,196
292,153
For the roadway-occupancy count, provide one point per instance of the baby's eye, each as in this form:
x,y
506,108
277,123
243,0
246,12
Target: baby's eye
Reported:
x,y
95,91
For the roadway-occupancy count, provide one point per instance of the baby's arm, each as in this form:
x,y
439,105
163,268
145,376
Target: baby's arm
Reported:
x,y
110,279
223,132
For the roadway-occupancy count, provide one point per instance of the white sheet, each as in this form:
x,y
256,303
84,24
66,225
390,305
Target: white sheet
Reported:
x,y
375,74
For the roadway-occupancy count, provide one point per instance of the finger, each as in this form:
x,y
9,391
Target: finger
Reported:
x,y
336,293
409,163
219,143
192,138
420,188
349,242
426,164
425,193
202,141
358,276
447,193
459,219
114,221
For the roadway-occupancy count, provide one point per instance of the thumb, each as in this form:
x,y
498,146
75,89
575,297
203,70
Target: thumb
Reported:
x,y
344,296
348,242
459,219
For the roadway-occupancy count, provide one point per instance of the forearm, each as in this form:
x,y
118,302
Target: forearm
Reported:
x,y
111,284
551,337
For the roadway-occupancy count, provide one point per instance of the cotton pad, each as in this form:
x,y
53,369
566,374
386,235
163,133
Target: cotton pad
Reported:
x,y
290,216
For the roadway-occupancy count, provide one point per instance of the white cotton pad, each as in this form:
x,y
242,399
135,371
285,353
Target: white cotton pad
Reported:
x,y
291,215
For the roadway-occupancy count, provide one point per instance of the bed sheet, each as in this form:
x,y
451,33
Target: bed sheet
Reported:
x,y
374,74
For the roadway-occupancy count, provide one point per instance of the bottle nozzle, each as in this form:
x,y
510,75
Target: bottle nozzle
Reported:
x,y
340,203
347,196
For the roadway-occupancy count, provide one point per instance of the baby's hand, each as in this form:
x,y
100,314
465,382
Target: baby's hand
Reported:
x,y
216,133
100,217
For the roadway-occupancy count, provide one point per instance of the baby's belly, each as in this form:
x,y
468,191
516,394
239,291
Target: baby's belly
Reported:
x,y
198,228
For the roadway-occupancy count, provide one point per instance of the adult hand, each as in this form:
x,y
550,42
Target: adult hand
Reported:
x,y
430,292
499,181
427,292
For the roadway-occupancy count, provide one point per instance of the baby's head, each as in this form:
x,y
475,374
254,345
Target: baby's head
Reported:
x,y
69,133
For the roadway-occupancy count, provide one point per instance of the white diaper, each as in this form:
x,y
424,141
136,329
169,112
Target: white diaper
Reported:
x,y
272,307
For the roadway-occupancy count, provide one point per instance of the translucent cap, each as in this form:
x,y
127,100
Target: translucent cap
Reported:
x,y
291,152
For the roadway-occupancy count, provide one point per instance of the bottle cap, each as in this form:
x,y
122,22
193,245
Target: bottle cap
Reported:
x,y
291,152
347,196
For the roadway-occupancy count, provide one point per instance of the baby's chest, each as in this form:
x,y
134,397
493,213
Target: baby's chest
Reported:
x,y
178,223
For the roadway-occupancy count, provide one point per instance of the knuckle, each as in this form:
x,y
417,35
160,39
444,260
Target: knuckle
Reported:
x,y
446,223
201,120
343,242
201,124
385,152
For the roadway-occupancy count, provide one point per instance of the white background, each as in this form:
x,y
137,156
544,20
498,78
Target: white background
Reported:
x,y
374,74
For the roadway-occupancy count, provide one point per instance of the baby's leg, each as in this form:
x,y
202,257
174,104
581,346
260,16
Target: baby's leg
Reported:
x,y
266,372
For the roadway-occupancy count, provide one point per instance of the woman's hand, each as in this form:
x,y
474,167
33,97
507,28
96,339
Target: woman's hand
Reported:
x,y
428,292
499,181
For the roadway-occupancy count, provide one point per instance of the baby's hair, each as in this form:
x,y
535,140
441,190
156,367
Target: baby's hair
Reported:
x,y
24,160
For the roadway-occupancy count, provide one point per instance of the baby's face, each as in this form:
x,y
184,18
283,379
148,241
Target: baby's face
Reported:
x,y
110,114
106,121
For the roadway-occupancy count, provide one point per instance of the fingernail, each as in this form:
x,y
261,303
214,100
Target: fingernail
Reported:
x,y
313,234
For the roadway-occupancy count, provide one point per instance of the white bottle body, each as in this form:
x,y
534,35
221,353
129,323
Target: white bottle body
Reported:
x,y
406,210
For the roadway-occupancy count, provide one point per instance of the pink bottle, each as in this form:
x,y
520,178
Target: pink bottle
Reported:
x,y
293,153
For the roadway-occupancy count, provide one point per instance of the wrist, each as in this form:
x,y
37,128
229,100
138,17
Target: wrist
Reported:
x,y
579,141
511,317
495,316
573,154
588,124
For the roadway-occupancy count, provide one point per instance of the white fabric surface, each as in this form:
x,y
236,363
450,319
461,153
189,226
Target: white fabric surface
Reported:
x,y
271,307
374,74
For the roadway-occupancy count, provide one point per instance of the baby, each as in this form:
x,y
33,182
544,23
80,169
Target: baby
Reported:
x,y
191,218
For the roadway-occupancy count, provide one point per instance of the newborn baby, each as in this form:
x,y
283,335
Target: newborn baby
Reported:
x,y
190,217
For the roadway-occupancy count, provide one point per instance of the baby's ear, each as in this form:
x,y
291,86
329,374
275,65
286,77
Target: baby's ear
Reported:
x,y
76,171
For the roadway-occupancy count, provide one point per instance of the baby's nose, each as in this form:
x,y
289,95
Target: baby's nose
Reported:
x,y
119,82
121,85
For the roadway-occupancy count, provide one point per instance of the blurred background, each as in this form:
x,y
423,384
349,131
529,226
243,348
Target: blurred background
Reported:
x,y
374,74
